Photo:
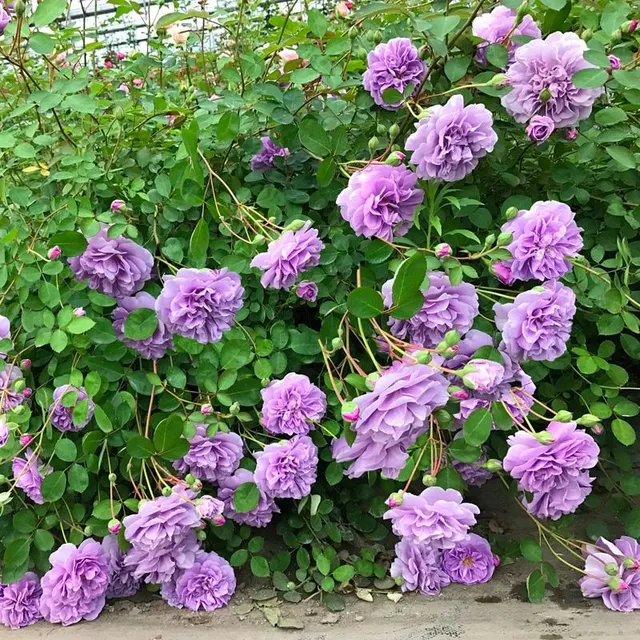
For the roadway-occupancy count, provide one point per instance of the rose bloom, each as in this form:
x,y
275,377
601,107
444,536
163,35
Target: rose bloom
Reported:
x,y
420,567
449,142
264,159
470,561
122,582
307,291
61,417
483,375
5,18
540,128
20,602
566,494
288,55
343,9
263,512
28,473
9,397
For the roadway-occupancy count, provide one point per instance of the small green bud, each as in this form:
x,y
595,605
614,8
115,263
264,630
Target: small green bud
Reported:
x,y
258,240
112,477
617,585
545,95
587,34
234,409
381,129
19,7
563,416
399,580
369,34
3,479
611,568
166,491
395,499
511,213
631,563
295,225
451,338
489,240
544,437
522,11
336,344
353,32
394,131
493,465
587,420
201,535
423,357
373,144
291,586
371,379
395,158
616,36
189,478
19,409
88,530
497,80
377,36
264,382
428,480
504,239
360,53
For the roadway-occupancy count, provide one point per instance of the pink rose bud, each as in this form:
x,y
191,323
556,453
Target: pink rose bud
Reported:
x,y
617,585
631,563
615,62
61,57
108,64
218,520
496,560
288,55
27,391
571,134
342,9
79,312
123,87
460,395
54,253
633,25
395,499
121,56
137,82
502,272
206,409
25,439
350,411
25,364
171,120
114,525
443,250
597,429
116,205
349,5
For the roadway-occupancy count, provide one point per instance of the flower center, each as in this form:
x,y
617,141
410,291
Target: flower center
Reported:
x,y
467,562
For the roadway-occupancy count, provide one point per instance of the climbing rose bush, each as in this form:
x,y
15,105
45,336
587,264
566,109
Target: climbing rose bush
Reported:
x,y
343,283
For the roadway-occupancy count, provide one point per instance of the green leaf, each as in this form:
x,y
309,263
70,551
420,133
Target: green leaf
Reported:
x,y
24,521
610,116
314,137
609,325
623,432
406,291
323,564
239,557
260,566
66,450
168,440
58,341
54,486
535,580
235,354
43,540
455,68
392,96
163,185
326,171
440,27
629,79
140,324
16,552
556,5
102,419
246,497
622,155
463,451
228,126
377,251
190,140
81,103
344,573
589,78
140,447
531,550
42,43
80,325
304,76
71,243
78,478
631,345
365,303
47,11
477,427
317,22
497,55
501,417
199,242
449,478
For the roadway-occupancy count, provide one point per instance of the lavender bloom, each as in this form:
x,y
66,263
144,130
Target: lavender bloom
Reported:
x,y
75,587
5,18
391,418
448,143
540,128
380,201
419,566
287,257
117,267
291,405
287,469
200,303
209,508
260,516
473,474
502,272
122,583
470,561
206,586
155,346
9,397
4,431
5,328
264,159
307,291
537,324
20,602
437,516
615,62
61,417
543,238
483,375
29,473
211,458
566,494
446,307
541,81
495,26
392,65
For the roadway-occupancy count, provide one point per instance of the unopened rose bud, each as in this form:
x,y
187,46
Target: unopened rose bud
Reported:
x,y
502,272
511,213
616,36
428,480
79,312
112,477
206,409
423,357
190,478
3,479
25,364
587,420
458,393
399,580
137,82
19,7
350,411
544,437
631,563
201,535
377,36
451,338
395,499
258,240
443,250
395,158
27,392
632,26
504,239
497,80
597,429
617,585
586,35
496,560
545,95
166,491
381,129
25,439
114,525
264,382
371,379
373,144
615,62
493,465
571,134
108,64
196,485
218,521
234,409
291,585
336,344
88,531
120,55
295,225
394,131
611,568
116,205
563,416
54,253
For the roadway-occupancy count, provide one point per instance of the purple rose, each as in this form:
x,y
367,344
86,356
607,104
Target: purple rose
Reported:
x,y
495,26
544,237
75,587
4,431
200,303
419,565
155,346
210,508
5,328
211,458
471,472
28,473
615,62
392,65
287,469
61,416
437,516
307,291
4,19
448,143
501,271
291,405
122,582
9,397
20,602
446,306
380,201
537,324
260,516
541,81
391,418
566,494
471,561
483,375
287,257
117,267
540,128
264,159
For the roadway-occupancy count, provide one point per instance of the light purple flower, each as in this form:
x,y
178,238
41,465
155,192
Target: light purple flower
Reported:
x,y
483,375
446,306
392,65
615,62
9,397
200,303
29,472
264,159
307,291
448,143
495,26
291,405
124,88
20,602
122,582
155,346
380,201
211,458
206,586
4,19
61,416
420,567
471,472
566,494
75,587
391,418
287,469
437,516
537,324
541,81
501,271
540,128
209,508
471,561
544,237
117,267
5,328
260,516
4,431
288,256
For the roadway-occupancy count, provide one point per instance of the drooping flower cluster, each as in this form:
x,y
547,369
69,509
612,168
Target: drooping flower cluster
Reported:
x,y
552,465
28,473
446,307
449,142
65,401
291,405
122,582
293,253
380,201
264,159
260,516
544,237
20,602
392,65
391,418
